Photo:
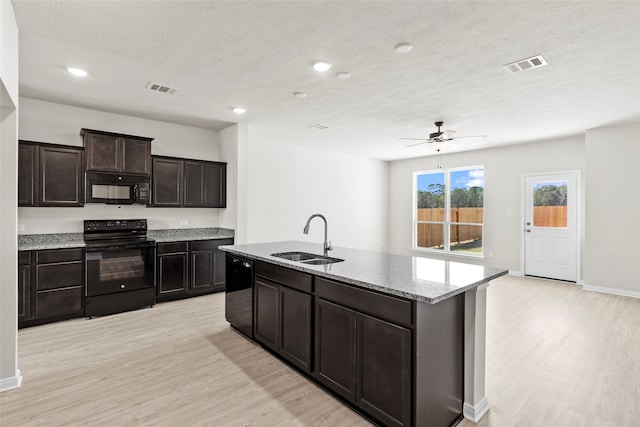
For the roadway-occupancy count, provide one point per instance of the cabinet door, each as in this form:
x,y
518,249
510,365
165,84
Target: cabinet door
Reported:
x,y
172,276
24,292
215,187
219,264
201,271
295,327
193,184
60,180
266,312
27,174
335,348
384,370
167,182
104,152
136,156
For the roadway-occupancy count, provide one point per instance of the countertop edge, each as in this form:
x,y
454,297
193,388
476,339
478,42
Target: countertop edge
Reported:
x,y
365,285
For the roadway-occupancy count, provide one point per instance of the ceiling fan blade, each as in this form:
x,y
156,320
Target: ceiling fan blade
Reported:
x,y
470,137
447,134
418,143
415,139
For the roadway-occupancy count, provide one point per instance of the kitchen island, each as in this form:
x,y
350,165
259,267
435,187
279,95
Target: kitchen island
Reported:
x,y
398,338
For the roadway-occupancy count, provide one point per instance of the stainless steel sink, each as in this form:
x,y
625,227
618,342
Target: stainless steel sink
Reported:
x,y
307,258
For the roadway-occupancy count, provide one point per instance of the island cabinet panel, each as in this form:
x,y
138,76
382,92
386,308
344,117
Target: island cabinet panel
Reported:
x,y
335,348
266,310
383,359
283,313
363,349
439,353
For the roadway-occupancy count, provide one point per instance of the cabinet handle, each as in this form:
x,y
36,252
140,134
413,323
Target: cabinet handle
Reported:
x,y
122,286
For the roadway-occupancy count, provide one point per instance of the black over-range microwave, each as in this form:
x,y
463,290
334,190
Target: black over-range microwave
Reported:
x,y
119,189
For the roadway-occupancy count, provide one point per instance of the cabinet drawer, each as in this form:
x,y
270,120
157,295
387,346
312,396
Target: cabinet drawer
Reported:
x,y
291,278
385,307
203,245
58,255
24,258
60,301
167,248
52,276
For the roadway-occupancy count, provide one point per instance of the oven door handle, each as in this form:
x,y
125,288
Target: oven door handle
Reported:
x,y
106,248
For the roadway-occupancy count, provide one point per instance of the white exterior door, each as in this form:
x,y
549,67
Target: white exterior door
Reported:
x,y
551,226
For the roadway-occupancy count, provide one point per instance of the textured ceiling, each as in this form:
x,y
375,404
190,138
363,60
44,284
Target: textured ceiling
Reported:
x,y
221,54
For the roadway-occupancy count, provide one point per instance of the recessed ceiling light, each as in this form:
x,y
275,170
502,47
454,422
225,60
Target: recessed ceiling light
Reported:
x,y
403,47
300,94
321,65
342,75
77,72
239,110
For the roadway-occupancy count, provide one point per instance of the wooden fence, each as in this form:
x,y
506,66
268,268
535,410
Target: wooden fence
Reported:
x,y
432,235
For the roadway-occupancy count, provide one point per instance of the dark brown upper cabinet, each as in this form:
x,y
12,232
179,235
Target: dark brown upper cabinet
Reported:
x,y
114,152
188,183
49,175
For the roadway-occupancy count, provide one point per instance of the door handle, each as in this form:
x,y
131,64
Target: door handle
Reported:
x,y
528,230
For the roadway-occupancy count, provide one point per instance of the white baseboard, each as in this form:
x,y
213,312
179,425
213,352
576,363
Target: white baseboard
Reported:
x,y
475,413
11,382
614,291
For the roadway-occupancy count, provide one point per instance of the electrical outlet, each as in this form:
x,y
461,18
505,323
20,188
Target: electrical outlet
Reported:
x,y
490,254
509,212
184,222
20,227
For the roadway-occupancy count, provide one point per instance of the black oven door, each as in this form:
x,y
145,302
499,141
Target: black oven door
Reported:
x,y
119,268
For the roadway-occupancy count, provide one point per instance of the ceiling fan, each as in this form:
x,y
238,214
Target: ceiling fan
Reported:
x,y
441,136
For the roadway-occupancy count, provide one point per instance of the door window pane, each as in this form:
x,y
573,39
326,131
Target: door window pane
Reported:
x,y
550,204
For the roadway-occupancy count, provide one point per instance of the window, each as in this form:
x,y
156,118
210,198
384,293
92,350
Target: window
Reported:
x,y
448,210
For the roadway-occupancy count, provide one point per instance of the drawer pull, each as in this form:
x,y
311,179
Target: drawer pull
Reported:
x,y
122,286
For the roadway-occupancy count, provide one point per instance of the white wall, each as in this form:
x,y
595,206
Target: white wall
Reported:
x,y
612,260
503,170
9,102
287,183
60,124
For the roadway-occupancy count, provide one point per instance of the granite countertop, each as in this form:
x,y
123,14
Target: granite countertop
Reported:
x,y
33,242
417,278
182,234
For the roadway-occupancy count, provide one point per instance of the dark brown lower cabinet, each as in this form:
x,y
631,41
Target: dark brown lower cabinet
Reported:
x,y
185,269
51,286
283,315
24,286
172,269
365,360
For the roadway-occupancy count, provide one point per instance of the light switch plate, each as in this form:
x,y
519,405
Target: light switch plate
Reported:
x,y
184,222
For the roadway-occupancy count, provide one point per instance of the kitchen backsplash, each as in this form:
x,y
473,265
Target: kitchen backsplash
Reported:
x,y
70,220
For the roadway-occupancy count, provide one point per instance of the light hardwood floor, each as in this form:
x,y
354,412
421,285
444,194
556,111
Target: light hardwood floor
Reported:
x,y
556,356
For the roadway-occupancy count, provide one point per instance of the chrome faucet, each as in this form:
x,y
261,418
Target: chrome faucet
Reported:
x,y
327,244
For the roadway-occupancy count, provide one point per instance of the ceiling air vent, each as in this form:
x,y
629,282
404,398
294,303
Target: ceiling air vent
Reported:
x,y
526,64
162,88
319,127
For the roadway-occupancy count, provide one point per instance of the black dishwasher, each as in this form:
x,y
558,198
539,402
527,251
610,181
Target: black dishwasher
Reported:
x,y
238,307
